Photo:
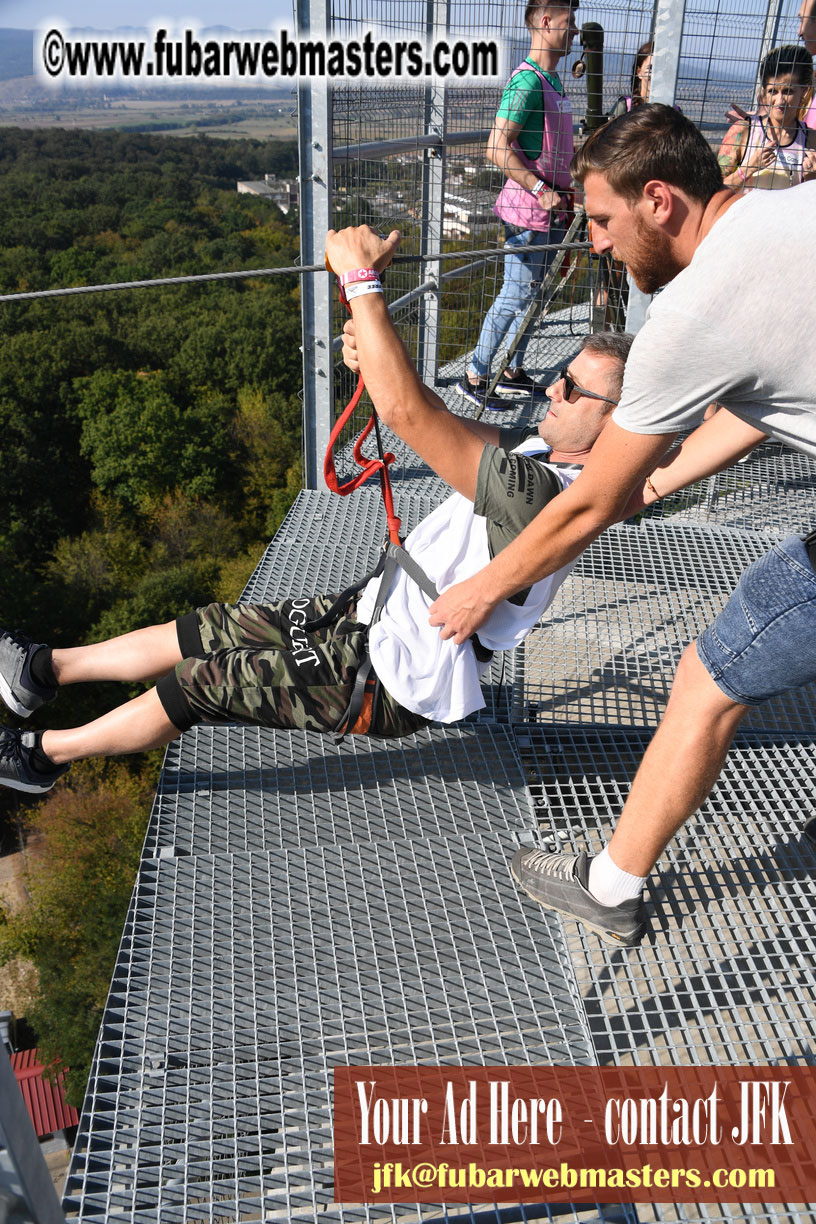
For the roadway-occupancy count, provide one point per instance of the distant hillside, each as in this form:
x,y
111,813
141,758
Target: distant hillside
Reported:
x,y
16,54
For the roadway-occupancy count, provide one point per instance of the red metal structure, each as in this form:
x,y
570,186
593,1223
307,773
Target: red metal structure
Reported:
x,y
44,1098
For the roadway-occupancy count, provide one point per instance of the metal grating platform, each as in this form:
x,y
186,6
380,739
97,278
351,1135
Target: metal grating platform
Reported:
x,y
727,974
224,790
609,645
326,542
723,1213
773,490
243,979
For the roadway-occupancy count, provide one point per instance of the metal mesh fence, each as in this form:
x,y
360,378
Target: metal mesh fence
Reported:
x,y
723,44
414,159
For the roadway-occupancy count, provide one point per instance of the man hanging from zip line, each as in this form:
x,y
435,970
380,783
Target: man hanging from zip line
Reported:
x,y
267,664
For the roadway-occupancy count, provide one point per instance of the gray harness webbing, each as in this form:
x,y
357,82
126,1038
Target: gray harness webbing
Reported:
x,y
392,558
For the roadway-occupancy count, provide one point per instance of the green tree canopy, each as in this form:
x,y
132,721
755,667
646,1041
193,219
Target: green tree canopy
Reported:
x,y
81,867
142,443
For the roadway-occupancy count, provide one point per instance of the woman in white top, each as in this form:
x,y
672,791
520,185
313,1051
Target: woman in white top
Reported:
x,y
772,147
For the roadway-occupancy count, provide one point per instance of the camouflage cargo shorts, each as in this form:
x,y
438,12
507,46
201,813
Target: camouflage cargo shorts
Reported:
x,y
255,663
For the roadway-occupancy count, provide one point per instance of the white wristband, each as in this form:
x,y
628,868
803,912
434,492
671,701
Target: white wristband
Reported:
x,y
538,188
360,288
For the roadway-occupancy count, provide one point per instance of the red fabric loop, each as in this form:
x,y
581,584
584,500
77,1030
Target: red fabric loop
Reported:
x,y
368,466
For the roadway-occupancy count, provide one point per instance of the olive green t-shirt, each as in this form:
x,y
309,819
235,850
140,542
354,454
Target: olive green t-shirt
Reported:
x,y
511,489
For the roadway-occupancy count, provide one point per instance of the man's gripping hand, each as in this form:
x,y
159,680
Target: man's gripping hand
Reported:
x,y
350,347
359,247
462,609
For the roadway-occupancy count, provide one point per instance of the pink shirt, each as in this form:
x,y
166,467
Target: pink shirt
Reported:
x,y
515,204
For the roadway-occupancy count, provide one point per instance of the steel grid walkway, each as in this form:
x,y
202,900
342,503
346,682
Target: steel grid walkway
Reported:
x,y
243,978
726,974
303,904
611,641
230,789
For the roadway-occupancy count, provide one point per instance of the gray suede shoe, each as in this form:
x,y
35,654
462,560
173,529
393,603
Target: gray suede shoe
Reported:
x,y
559,882
18,688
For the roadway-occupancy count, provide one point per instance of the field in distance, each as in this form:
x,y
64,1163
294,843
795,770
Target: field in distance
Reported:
x,y
25,104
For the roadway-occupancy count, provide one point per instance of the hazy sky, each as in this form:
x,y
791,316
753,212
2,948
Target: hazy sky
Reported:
x,y
103,15
239,14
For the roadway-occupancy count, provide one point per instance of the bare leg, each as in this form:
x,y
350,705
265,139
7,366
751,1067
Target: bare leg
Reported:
x,y
143,654
137,726
679,768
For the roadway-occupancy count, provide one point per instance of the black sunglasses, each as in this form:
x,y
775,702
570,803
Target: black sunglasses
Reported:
x,y
571,385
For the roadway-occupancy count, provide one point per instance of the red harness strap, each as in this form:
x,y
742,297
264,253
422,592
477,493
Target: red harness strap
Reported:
x,y
368,466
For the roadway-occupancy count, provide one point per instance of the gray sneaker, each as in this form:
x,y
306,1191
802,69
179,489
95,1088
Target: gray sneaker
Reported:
x,y
18,688
16,770
559,882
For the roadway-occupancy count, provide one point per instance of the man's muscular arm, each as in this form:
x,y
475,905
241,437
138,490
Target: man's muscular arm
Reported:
x,y
619,461
712,447
483,430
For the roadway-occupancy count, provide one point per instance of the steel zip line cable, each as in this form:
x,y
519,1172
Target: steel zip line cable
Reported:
x,y
297,269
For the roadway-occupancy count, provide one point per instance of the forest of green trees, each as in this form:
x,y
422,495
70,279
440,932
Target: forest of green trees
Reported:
x,y
151,444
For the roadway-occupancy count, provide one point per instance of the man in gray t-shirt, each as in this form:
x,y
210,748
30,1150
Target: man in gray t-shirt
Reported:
x,y
734,325
731,327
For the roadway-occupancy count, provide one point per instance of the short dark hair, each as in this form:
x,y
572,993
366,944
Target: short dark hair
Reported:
x,y
651,142
611,344
534,6
788,60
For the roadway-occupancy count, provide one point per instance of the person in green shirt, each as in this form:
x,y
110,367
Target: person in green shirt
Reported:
x,y
531,141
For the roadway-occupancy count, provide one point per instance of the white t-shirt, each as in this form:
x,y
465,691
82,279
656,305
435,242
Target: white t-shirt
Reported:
x,y
427,675
736,326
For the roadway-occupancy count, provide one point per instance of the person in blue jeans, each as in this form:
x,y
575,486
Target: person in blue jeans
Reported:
x,y
654,194
531,141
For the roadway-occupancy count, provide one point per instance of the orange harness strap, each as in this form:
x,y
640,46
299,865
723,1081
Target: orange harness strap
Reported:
x,y
368,466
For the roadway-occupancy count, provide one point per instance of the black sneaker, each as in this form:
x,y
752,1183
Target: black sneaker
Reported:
x,y
476,393
559,882
16,770
18,688
520,383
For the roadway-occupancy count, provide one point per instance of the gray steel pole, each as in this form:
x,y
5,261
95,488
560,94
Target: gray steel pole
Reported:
x,y
668,35
433,198
314,141
770,36
18,1138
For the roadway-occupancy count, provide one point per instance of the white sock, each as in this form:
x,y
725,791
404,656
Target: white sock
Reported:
x,y
609,884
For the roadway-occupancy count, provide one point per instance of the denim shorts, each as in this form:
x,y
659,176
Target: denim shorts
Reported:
x,y
764,640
